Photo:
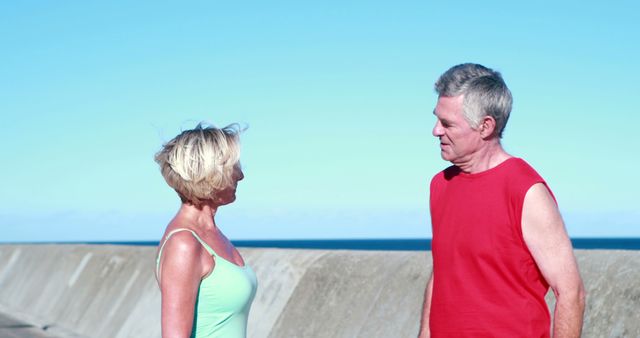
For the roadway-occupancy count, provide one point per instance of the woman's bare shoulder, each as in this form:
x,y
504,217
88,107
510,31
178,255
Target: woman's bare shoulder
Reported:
x,y
182,242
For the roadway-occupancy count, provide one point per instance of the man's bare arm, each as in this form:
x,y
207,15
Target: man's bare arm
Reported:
x,y
426,310
548,241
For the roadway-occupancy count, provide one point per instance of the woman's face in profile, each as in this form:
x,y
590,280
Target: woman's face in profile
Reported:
x,y
228,195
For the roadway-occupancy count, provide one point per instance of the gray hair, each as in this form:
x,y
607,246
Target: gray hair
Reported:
x,y
200,162
485,93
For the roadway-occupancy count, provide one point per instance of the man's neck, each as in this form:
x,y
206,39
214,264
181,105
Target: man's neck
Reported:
x,y
485,158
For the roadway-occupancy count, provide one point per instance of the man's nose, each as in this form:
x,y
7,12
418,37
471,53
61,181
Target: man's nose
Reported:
x,y
438,130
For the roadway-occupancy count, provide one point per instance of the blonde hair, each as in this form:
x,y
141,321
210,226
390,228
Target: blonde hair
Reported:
x,y
200,162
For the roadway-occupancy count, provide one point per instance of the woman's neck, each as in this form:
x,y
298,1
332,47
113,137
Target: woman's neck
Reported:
x,y
202,217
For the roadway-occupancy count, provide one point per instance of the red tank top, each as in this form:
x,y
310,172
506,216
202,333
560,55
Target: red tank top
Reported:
x,y
486,283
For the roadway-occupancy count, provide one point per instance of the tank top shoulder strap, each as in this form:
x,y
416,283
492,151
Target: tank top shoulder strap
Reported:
x,y
204,244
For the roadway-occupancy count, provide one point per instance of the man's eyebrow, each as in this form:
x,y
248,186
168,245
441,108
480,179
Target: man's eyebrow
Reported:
x,y
439,118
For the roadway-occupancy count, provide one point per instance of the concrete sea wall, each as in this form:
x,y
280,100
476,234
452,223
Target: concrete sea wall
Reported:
x,y
110,291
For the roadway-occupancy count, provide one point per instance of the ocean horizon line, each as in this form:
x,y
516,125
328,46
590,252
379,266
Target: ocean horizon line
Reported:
x,y
393,244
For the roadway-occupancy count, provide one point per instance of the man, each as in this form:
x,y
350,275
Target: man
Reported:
x,y
499,241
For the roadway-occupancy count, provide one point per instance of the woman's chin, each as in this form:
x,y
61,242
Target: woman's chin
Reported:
x,y
226,199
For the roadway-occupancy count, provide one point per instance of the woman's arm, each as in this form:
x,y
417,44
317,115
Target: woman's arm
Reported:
x,y
181,271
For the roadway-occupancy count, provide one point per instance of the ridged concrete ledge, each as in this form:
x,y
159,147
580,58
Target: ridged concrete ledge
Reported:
x,y
110,291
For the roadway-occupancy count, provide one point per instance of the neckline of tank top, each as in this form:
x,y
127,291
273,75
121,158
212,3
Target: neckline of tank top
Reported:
x,y
243,266
207,246
500,165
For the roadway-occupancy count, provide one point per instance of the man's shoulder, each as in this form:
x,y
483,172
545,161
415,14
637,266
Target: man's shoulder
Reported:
x,y
444,176
521,176
521,167
446,173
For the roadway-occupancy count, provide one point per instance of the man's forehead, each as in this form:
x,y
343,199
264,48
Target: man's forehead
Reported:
x,y
448,105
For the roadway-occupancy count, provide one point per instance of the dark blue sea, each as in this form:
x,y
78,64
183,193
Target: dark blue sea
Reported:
x,y
395,244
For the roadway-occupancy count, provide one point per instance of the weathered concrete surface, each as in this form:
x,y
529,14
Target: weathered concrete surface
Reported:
x,y
613,293
110,291
95,291
14,328
357,294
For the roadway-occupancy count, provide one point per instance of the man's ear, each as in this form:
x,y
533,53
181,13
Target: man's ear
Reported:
x,y
487,127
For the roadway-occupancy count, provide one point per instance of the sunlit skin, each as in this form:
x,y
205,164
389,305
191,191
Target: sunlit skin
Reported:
x,y
471,149
228,195
185,262
478,149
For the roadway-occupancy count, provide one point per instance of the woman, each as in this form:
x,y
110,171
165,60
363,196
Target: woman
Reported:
x,y
206,286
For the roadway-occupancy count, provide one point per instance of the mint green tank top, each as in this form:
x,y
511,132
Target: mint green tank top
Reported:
x,y
224,297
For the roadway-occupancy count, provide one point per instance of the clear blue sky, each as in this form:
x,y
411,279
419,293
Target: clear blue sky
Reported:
x,y
338,98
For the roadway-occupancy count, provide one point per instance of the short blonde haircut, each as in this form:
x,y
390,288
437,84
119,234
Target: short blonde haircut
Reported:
x,y
200,162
